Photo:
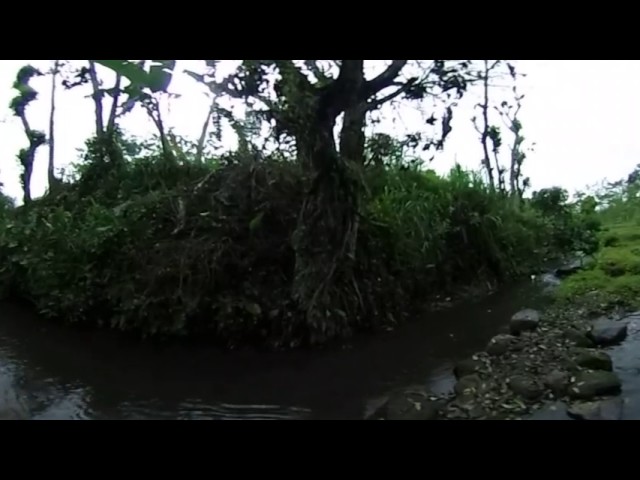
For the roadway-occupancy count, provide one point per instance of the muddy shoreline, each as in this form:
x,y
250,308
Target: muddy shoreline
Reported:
x,y
562,362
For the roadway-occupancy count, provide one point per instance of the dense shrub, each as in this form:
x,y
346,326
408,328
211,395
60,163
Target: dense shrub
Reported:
x,y
168,248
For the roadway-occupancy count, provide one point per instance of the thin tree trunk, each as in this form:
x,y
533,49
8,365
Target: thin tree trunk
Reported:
x,y
203,133
111,123
485,130
97,98
51,165
27,156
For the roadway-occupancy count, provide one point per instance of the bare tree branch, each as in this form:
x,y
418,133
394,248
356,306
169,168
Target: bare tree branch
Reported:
x,y
372,105
317,71
290,72
386,78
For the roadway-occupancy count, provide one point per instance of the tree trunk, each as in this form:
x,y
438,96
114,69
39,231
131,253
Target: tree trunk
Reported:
x,y
485,130
324,239
97,98
327,231
51,177
26,179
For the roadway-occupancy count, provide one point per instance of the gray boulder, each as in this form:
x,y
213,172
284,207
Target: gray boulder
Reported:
x,y
579,338
605,332
501,344
609,409
468,366
593,359
589,384
524,320
411,404
554,411
569,268
557,381
526,387
468,385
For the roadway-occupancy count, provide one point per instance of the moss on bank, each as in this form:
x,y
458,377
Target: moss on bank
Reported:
x,y
614,277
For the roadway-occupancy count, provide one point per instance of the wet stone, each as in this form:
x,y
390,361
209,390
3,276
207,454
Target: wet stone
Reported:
x,y
525,386
504,329
609,409
557,381
524,320
579,338
569,268
412,405
468,385
477,411
501,344
593,359
589,384
554,411
606,332
467,367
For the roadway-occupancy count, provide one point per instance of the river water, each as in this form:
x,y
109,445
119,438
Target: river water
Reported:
x,y
48,371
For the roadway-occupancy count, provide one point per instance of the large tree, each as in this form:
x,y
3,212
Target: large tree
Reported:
x,y
306,100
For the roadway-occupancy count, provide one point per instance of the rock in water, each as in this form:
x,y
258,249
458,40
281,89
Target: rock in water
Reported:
x,y
524,320
550,280
590,384
557,381
606,332
609,409
412,405
555,411
569,268
579,338
467,367
525,386
593,359
501,344
467,385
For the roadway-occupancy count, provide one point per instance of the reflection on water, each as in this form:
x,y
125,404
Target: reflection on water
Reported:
x,y
51,372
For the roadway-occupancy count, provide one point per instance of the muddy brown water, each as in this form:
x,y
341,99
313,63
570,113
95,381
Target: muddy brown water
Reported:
x,y
49,371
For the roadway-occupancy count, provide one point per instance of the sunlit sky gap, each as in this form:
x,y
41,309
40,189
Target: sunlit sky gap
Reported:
x,y
581,114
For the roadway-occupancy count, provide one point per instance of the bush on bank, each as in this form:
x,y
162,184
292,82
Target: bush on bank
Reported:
x,y
163,247
613,280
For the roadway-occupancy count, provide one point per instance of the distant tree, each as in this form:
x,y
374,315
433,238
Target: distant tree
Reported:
x,y
510,116
144,89
487,131
26,95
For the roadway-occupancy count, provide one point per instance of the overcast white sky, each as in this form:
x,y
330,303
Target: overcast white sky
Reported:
x,y
582,115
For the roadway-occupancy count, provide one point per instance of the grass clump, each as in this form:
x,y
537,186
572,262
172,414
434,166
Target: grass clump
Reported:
x,y
615,276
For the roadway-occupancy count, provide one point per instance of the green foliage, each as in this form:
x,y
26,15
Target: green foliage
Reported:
x,y
573,226
615,276
157,79
26,93
163,247
614,279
